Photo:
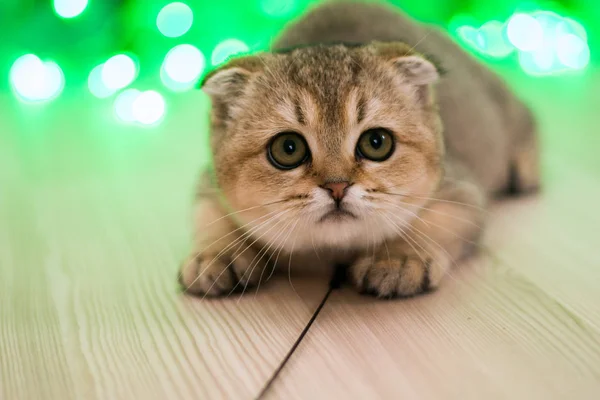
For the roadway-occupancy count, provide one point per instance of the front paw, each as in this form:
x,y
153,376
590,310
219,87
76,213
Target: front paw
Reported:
x,y
397,275
214,275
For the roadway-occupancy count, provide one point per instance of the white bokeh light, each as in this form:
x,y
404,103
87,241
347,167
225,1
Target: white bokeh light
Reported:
x,y
124,105
539,63
148,108
572,51
544,58
96,84
227,48
184,63
119,71
69,8
33,80
525,32
175,19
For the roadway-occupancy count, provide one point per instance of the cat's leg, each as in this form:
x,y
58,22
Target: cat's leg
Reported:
x,y
525,168
445,232
525,151
223,259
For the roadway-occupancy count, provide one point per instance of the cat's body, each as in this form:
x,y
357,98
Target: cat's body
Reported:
x,y
399,215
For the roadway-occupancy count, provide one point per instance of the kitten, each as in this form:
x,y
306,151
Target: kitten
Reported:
x,y
359,150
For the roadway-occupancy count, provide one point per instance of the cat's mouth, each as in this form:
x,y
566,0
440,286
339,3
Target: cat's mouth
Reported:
x,y
337,214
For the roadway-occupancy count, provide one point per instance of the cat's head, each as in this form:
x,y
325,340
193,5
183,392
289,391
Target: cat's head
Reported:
x,y
328,146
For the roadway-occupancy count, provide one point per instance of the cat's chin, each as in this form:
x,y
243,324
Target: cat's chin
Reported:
x,y
337,216
344,231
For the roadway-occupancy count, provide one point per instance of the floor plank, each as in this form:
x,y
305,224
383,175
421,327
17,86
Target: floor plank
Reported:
x,y
488,333
90,243
552,240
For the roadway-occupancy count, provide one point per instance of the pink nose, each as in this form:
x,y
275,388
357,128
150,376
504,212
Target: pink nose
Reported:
x,y
337,190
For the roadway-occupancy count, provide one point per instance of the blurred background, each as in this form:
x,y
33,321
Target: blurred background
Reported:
x,y
130,59
102,92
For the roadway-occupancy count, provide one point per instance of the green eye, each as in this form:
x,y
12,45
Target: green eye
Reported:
x,y
287,150
375,144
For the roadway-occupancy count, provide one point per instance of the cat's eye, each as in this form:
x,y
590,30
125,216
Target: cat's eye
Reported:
x,y
287,150
375,144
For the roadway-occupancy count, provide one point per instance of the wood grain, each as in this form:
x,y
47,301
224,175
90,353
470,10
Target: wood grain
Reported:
x,y
487,334
90,244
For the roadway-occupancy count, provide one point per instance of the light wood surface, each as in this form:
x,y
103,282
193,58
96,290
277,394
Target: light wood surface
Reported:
x,y
94,220
489,334
89,254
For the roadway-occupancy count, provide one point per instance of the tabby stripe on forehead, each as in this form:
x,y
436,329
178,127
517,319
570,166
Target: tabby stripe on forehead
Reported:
x,y
361,109
299,112
356,69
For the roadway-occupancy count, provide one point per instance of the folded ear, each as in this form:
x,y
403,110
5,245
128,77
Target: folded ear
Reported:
x,y
227,84
417,70
414,68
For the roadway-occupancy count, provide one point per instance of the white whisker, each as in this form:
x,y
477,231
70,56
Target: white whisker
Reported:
x,y
244,210
245,234
228,247
230,265
439,200
290,262
280,250
404,235
281,231
430,223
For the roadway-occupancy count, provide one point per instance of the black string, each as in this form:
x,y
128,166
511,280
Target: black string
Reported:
x,y
339,275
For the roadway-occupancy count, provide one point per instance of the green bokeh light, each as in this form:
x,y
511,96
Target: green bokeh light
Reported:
x,y
569,25
175,19
279,8
494,39
69,8
226,49
459,21
34,80
472,36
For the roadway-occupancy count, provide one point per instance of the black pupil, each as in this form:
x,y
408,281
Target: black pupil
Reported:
x,y
289,146
376,140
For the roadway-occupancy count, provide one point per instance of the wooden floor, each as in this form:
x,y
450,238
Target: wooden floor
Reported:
x,y
94,220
